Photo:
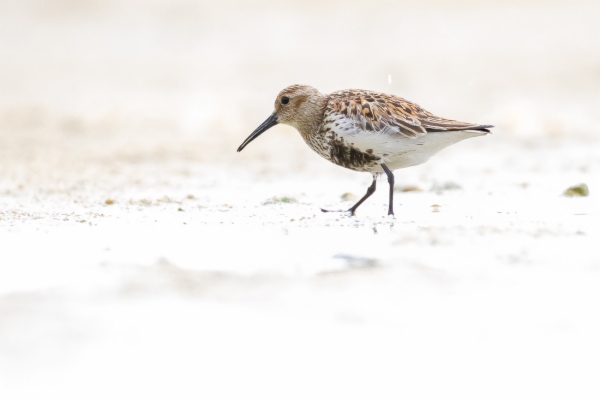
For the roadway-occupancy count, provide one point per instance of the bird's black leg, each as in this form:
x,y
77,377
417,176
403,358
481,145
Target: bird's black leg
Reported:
x,y
390,177
370,191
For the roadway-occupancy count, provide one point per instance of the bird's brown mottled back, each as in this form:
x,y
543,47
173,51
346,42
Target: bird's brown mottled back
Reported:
x,y
389,114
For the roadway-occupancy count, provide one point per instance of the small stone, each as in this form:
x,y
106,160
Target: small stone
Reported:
x,y
109,201
580,190
410,188
284,199
445,186
349,196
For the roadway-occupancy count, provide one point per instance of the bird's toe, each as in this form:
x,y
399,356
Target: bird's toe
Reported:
x,y
345,212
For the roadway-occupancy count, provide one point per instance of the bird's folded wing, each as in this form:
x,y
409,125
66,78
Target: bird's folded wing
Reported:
x,y
389,115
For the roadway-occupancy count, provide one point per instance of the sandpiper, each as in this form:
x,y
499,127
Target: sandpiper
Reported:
x,y
365,131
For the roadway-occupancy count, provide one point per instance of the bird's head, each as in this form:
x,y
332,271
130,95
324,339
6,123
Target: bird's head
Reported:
x,y
296,105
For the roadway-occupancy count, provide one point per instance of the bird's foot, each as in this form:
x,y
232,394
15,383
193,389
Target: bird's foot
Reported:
x,y
348,212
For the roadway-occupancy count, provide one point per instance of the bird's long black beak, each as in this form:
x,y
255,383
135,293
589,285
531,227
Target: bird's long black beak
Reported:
x,y
270,122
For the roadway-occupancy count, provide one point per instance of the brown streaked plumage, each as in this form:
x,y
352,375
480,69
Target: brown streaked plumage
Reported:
x,y
366,131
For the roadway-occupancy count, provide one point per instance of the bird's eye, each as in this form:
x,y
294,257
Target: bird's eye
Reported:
x,y
285,100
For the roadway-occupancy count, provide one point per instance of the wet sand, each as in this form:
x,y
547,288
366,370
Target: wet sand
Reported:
x,y
142,257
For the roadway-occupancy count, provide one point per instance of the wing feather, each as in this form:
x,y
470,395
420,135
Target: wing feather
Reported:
x,y
391,115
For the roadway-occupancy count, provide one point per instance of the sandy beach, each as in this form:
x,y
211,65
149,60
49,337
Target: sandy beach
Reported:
x,y
142,257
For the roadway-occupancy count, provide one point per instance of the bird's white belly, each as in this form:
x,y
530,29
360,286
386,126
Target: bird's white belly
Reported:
x,y
400,152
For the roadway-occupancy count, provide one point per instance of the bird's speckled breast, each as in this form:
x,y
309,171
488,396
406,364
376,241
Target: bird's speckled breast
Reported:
x,y
335,148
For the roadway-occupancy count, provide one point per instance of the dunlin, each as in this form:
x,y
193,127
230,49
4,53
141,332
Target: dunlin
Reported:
x,y
366,131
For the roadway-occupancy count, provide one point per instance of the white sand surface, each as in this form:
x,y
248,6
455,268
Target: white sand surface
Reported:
x,y
194,283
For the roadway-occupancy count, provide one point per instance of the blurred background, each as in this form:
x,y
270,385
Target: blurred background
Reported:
x,y
192,78
141,256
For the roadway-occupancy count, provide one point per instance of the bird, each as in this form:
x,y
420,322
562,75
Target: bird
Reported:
x,y
365,131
